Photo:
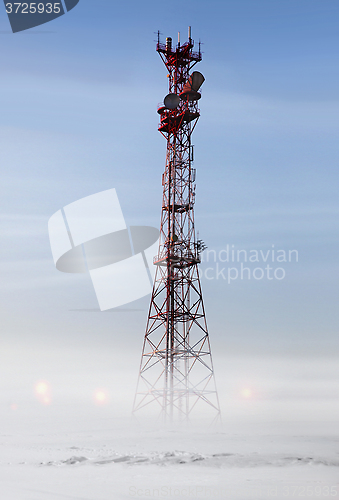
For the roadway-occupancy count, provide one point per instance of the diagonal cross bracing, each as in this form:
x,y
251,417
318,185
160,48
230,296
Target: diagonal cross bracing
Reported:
x,y
176,369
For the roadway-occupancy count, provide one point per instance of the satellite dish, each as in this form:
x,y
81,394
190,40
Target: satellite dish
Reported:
x,y
192,86
171,101
197,80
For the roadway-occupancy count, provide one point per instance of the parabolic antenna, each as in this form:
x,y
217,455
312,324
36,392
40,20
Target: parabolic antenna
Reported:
x,y
171,101
197,80
192,86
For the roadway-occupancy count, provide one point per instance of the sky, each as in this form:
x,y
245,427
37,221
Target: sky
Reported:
x,y
78,116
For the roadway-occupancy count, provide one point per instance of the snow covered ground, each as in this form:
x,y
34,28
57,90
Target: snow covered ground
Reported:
x,y
279,438
88,457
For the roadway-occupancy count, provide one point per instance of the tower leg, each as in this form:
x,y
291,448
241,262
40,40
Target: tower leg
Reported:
x,y
176,371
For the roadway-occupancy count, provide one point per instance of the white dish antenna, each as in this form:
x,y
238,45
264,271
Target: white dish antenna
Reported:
x,y
194,82
192,86
171,101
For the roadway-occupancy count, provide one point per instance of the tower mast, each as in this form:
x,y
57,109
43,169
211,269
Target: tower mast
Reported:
x,y
176,370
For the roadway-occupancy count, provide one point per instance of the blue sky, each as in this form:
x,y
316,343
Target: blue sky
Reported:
x,y
78,116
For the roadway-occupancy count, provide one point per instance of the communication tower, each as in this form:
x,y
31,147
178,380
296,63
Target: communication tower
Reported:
x,y
176,371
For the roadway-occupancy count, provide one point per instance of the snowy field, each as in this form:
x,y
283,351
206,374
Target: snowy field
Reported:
x,y
87,457
279,437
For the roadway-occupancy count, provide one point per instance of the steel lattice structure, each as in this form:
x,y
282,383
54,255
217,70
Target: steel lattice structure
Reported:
x,y
176,370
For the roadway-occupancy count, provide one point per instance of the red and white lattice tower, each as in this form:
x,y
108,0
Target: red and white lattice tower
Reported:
x,y
176,370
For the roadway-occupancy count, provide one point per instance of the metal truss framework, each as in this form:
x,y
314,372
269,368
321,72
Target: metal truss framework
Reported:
x,y
176,370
